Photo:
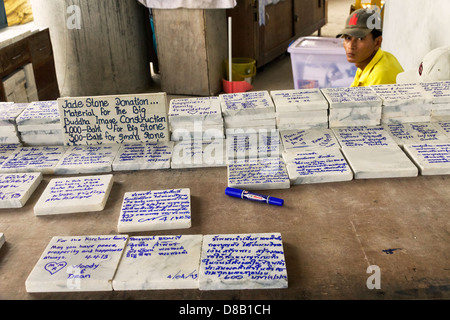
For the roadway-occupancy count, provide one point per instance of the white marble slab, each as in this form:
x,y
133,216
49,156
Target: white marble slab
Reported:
x,y
243,261
352,115
40,113
42,140
160,262
16,188
359,136
114,119
416,133
74,194
317,166
402,94
87,159
155,210
198,154
39,127
77,264
440,112
6,150
405,119
230,123
197,131
445,126
205,109
258,174
143,156
379,162
2,239
297,140
439,90
305,126
370,123
9,112
352,97
33,159
245,103
302,117
249,145
294,100
7,130
431,158
10,139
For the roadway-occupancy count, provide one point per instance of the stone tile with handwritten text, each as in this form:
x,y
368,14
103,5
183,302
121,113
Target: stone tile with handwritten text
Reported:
x,y
155,210
77,264
74,194
243,261
160,262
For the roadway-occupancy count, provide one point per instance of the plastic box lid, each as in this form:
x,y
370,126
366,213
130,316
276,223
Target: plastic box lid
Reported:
x,y
317,45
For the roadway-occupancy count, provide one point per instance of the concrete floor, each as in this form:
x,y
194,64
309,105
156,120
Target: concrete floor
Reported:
x,y
332,232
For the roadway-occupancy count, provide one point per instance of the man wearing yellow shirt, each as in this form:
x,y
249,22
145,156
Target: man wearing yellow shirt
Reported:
x,y
362,42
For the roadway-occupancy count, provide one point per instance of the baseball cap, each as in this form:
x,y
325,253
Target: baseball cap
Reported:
x,y
361,22
435,66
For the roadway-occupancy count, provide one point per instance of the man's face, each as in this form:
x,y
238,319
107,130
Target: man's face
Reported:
x,y
361,50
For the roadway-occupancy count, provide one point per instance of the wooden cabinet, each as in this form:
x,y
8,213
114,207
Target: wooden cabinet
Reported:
x,y
285,21
35,49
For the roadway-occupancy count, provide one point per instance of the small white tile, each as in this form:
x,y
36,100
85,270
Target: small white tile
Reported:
x,y
77,264
265,143
402,94
416,133
199,154
195,109
379,162
258,174
431,158
362,136
87,159
155,210
16,188
115,119
74,194
243,261
296,140
143,156
39,113
246,103
351,97
2,239
439,90
294,100
160,262
317,166
33,159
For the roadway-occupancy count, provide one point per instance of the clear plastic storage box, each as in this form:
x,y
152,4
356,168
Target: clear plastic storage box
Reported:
x,y
319,62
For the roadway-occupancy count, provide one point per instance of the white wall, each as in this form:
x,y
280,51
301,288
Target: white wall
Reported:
x,y
412,28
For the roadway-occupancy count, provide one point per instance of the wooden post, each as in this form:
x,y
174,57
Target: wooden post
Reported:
x,y
192,46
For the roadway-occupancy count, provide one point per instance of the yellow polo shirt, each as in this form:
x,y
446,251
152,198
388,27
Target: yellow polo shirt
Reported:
x,y
382,69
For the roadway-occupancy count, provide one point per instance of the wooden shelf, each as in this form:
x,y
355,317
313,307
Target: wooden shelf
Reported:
x,y
285,22
35,49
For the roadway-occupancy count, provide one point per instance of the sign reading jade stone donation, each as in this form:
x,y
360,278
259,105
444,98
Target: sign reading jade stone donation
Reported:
x,y
114,119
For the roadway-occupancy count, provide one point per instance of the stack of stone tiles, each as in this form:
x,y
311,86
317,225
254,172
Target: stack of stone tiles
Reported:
x,y
355,106
300,109
248,110
404,103
199,118
40,125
